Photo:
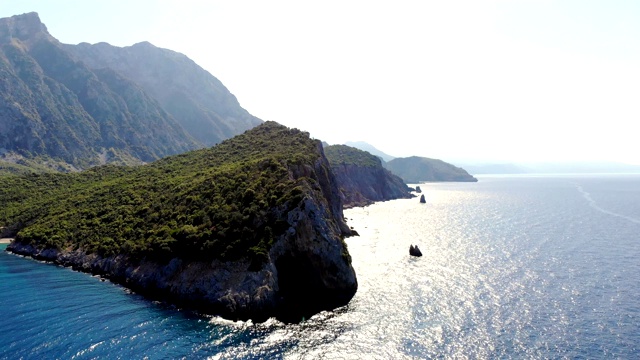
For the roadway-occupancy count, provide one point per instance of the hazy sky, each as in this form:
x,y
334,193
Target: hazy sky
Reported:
x,y
484,80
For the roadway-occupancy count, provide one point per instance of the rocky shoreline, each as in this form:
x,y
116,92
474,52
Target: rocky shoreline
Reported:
x,y
308,272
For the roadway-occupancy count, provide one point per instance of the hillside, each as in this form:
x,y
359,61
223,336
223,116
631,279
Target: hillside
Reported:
x,y
418,169
250,228
198,101
69,107
362,178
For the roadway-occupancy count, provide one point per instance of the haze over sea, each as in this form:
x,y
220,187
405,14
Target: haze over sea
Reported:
x,y
513,267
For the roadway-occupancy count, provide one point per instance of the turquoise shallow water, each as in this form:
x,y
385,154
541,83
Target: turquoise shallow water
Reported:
x,y
513,267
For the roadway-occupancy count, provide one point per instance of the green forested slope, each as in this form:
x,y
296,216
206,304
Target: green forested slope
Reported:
x,y
416,169
225,202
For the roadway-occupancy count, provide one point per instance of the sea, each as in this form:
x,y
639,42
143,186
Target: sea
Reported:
x,y
522,267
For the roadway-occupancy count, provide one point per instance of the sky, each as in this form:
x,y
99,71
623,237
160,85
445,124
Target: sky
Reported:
x,y
463,81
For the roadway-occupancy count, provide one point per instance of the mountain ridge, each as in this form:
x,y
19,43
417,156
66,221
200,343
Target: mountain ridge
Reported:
x,y
59,113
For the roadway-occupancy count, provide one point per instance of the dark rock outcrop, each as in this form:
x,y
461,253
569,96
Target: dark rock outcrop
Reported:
x,y
362,178
414,250
418,190
422,199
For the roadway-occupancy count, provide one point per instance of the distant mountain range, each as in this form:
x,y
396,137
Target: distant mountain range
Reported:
x,y
70,107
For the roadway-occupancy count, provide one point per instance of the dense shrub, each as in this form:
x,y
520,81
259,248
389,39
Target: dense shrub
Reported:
x,y
225,202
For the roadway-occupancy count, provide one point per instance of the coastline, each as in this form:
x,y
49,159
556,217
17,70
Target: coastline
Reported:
x,y
6,240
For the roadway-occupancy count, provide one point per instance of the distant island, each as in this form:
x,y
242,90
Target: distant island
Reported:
x,y
417,169
249,229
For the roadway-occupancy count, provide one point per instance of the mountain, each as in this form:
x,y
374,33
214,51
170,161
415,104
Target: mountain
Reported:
x,y
361,177
196,99
370,149
61,109
249,229
418,169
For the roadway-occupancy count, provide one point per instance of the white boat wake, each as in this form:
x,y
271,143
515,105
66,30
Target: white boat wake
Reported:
x,y
595,205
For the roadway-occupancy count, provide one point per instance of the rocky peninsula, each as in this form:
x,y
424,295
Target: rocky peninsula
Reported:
x,y
249,229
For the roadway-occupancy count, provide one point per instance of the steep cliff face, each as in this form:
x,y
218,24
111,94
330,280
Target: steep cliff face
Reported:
x,y
279,253
361,177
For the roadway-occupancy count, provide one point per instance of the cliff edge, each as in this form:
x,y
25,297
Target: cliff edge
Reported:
x,y
361,177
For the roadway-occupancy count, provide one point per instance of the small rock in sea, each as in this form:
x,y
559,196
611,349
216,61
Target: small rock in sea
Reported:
x,y
418,190
422,200
414,251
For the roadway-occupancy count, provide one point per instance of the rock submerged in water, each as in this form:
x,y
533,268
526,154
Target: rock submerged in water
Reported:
x,y
415,251
422,199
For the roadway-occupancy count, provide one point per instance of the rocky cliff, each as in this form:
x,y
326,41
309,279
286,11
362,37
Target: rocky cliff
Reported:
x,y
361,177
250,229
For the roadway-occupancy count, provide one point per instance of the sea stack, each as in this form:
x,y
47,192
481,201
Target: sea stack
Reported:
x,y
422,200
414,251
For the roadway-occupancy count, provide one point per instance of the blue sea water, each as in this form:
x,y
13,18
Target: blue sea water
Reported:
x,y
513,267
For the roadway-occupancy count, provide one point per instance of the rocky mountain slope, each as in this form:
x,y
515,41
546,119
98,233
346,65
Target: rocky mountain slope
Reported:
x,y
196,99
417,169
362,178
251,228
60,109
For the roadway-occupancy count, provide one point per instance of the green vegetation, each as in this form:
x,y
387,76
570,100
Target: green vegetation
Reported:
x,y
347,155
416,169
226,202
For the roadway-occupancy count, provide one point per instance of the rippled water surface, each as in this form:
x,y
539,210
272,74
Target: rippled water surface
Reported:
x,y
513,267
